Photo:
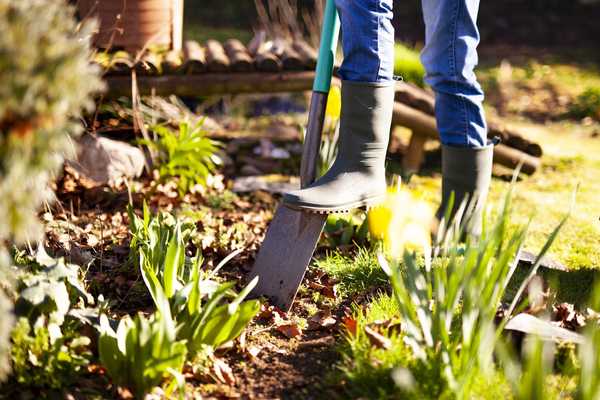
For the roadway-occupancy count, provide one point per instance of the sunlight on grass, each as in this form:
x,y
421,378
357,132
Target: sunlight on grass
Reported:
x,y
408,64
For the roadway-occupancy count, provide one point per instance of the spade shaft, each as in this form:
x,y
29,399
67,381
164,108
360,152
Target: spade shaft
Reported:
x,y
293,235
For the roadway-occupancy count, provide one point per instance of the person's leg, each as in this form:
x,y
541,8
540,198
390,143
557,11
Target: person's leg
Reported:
x,y
357,177
449,57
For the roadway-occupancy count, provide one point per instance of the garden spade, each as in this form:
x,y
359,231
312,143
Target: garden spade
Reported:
x,y
293,235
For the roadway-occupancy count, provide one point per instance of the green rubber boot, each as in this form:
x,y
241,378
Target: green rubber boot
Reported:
x,y
467,173
357,176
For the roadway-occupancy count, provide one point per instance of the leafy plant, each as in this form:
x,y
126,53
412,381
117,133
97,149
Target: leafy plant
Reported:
x,y
142,351
198,303
188,154
589,356
47,350
346,229
45,358
448,312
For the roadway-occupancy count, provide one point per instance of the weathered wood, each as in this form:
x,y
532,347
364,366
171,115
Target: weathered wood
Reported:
x,y
424,101
415,153
267,61
177,27
212,84
291,60
240,59
425,124
216,59
149,64
194,58
121,63
307,53
172,62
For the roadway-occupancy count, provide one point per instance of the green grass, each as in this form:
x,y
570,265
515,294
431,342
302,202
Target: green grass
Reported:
x,y
201,33
356,274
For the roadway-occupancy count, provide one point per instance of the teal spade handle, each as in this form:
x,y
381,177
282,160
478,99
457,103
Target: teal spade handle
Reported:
x,y
327,49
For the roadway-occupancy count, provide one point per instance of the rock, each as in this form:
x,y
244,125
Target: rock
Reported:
x,y
105,161
268,183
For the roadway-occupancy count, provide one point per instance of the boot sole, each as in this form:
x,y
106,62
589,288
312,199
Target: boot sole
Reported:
x,y
365,203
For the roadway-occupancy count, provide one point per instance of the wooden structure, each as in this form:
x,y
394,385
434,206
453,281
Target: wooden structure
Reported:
x,y
136,24
230,68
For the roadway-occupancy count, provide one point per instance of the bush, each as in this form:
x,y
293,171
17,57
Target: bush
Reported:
x,y
408,65
47,81
587,104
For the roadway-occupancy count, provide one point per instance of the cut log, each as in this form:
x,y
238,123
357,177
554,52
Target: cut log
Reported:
x,y
424,124
149,64
121,63
172,62
291,60
194,58
424,101
306,53
216,59
267,61
415,153
240,59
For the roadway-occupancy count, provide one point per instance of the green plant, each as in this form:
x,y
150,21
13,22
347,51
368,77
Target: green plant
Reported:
x,y
188,154
43,357
587,104
48,82
47,350
198,303
448,312
408,65
142,351
346,229
589,355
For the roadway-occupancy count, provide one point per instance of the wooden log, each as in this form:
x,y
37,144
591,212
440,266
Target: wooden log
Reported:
x,y
425,124
121,63
291,60
307,53
240,59
212,84
149,64
424,101
415,153
267,61
194,58
172,62
216,59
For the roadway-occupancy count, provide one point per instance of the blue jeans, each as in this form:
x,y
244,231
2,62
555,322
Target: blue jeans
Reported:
x,y
449,57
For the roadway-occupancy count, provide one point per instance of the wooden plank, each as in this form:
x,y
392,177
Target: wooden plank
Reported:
x,y
415,153
212,84
177,25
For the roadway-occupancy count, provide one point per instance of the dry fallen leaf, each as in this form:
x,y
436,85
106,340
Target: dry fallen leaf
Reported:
x,y
289,330
350,324
377,339
223,372
321,320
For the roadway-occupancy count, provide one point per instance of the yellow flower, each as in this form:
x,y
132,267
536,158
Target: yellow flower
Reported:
x,y
334,103
403,222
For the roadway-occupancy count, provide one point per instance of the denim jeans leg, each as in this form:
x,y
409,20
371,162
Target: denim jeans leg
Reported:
x,y
367,40
449,57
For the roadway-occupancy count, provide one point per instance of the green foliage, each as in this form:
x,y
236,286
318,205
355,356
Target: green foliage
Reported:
x,y
589,356
187,155
142,352
47,351
408,65
206,312
587,104
346,229
47,82
43,358
448,312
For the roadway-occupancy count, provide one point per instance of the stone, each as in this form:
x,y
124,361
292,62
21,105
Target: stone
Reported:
x,y
106,161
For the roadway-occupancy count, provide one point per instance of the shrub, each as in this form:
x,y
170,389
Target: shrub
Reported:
x,y
408,65
587,104
47,81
